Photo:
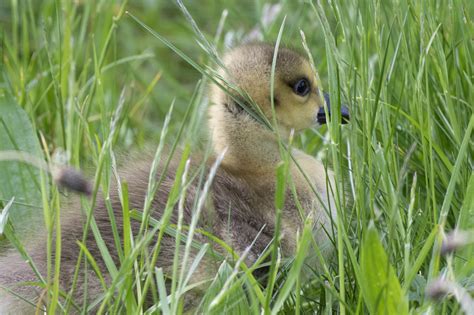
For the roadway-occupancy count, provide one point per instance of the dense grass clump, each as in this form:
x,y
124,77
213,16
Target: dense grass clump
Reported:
x,y
84,81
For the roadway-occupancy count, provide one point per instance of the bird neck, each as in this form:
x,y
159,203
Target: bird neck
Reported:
x,y
251,147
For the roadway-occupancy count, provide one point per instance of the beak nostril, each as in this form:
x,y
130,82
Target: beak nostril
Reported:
x,y
345,116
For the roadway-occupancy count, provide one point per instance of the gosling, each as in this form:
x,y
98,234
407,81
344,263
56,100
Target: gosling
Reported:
x,y
241,209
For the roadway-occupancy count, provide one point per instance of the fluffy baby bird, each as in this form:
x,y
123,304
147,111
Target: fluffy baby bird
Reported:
x,y
241,205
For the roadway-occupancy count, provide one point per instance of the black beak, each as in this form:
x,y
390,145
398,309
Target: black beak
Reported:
x,y
322,115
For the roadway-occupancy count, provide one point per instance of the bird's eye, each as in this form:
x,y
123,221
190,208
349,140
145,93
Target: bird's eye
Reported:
x,y
302,87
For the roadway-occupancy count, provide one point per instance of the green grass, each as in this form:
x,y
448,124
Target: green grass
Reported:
x,y
91,81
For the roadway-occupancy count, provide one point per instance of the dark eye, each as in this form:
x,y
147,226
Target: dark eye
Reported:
x,y
302,87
